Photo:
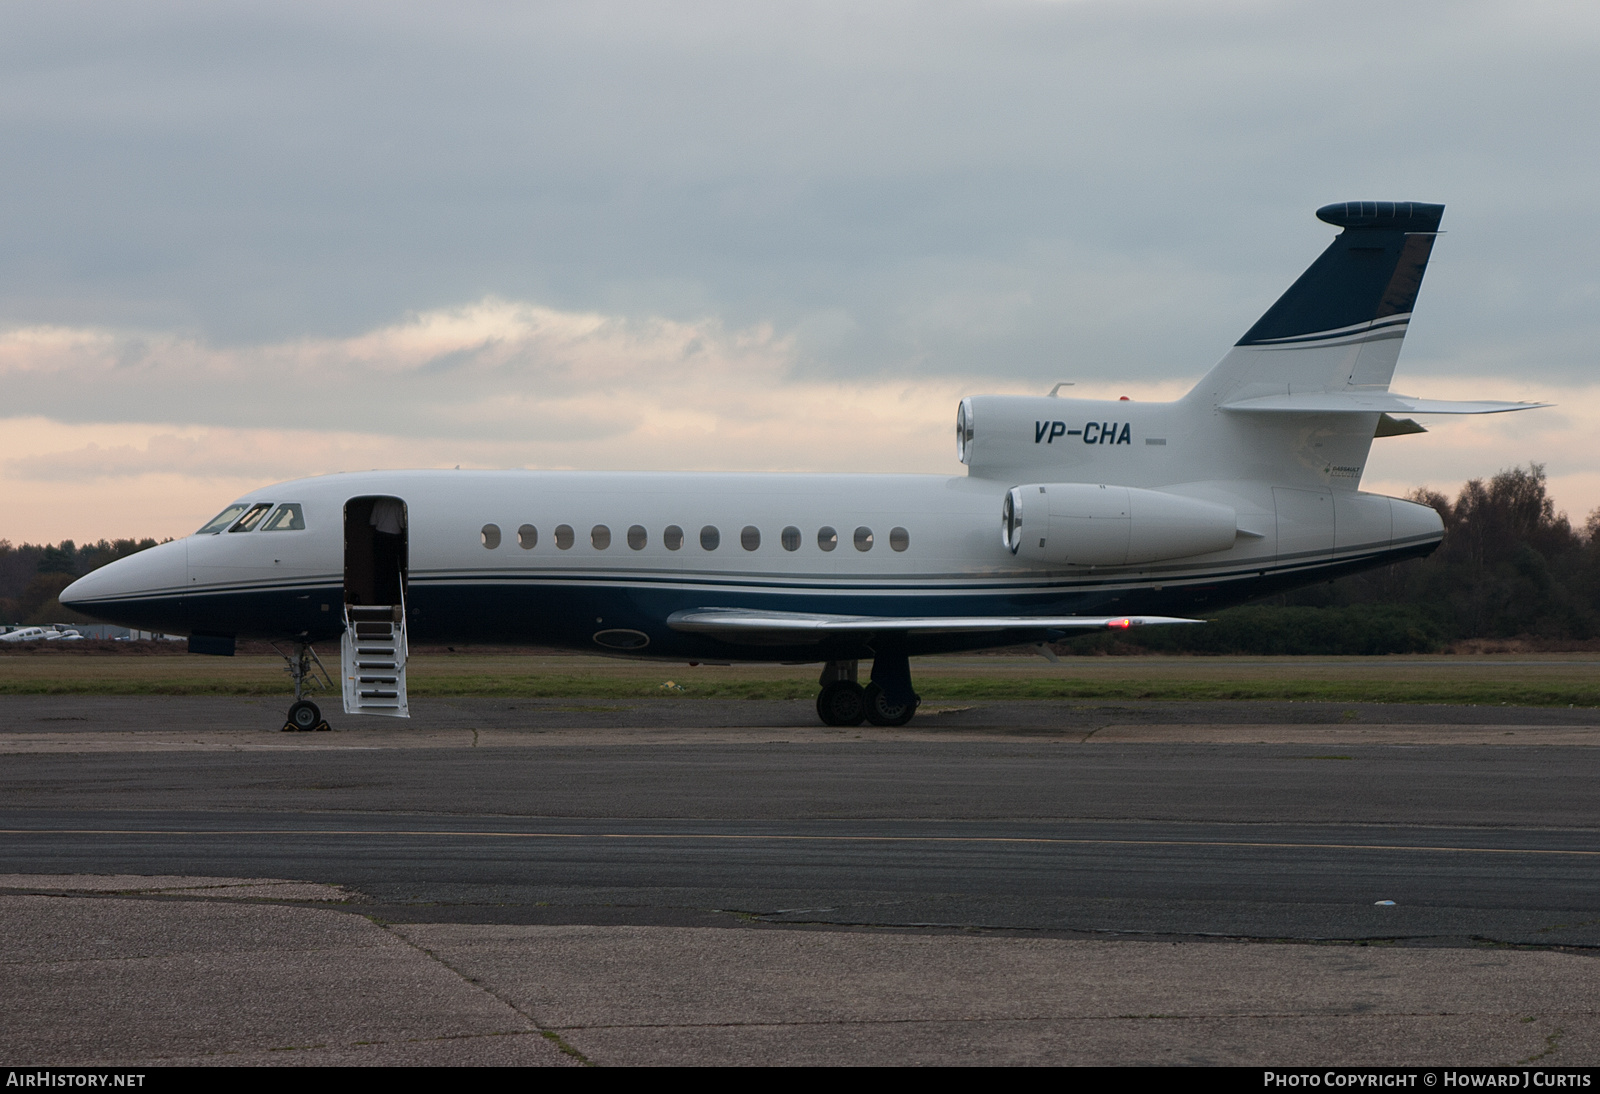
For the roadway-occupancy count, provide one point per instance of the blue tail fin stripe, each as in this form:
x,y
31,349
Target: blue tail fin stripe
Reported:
x,y
1372,270
1389,327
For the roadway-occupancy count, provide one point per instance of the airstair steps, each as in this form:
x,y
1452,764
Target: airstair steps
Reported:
x,y
373,655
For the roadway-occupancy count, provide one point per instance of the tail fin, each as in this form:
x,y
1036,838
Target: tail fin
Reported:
x,y
1340,326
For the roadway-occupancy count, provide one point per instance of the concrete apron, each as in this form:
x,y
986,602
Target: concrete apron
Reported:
x,y
131,971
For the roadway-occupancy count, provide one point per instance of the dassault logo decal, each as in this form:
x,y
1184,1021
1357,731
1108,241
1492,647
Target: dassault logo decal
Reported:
x,y
1092,432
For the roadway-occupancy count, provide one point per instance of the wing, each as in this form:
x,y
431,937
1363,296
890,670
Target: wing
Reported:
x,y
745,625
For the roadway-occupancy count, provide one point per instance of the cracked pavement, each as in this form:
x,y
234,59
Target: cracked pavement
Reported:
x,y
178,971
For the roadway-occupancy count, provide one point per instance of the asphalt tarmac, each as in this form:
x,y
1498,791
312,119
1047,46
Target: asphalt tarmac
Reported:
x,y
565,856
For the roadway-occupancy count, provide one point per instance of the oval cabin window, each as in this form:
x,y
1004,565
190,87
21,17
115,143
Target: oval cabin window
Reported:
x,y
750,537
600,537
565,536
827,538
899,539
527,537
638,537
672,538
863,539
790,538
710,538
490,536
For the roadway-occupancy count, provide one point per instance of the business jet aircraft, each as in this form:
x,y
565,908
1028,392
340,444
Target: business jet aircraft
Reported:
x,y
1073,514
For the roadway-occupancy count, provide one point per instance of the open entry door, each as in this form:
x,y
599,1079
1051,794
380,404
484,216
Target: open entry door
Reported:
x,y
373,652
375,542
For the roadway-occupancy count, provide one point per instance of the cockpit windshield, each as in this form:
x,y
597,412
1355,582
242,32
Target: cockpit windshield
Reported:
x,y
248,522
288,518
222,519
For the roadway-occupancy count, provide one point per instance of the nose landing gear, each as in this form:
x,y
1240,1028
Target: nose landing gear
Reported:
x,y
305,667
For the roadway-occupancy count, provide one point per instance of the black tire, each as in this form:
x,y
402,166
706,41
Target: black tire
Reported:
x,y
303,717
841,703
881,712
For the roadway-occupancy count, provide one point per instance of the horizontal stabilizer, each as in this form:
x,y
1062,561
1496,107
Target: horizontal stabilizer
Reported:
x,y
1369,402
740,624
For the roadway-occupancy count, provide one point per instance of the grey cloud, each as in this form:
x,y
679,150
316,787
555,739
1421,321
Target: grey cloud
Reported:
x,y
909,188
493,370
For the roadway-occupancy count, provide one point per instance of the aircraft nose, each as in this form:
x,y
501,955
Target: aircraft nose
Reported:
x,y
117,590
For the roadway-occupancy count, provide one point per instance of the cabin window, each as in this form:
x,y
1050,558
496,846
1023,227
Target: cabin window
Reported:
x,y
672,538
750,537
490,536
790,538
899,539
827,538
600,537
710,538
222,519
527,537
564,536
248,522
288,518
863,539
638,537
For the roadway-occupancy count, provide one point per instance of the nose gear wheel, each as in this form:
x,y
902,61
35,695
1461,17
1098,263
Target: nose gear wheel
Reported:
x,y
304,717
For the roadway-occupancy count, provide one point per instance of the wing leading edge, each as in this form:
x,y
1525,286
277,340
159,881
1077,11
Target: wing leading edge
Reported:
x,y
741,624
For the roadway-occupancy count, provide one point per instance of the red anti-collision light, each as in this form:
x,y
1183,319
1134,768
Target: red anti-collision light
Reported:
x,y
1122,623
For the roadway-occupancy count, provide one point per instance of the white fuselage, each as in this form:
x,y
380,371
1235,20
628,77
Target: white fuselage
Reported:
x,y
557,557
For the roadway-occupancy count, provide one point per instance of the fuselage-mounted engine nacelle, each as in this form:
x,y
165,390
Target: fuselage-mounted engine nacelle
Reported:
x,y
1087,524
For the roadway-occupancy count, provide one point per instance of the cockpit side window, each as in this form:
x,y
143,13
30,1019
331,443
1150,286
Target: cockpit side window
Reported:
x,y
288,518
248,522
222,520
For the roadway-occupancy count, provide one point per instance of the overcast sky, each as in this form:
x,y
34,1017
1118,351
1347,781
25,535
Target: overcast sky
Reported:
x,y
240,243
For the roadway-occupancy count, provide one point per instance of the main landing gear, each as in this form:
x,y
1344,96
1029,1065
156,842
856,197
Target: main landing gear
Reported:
x,y
305,666
887,701
842,701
